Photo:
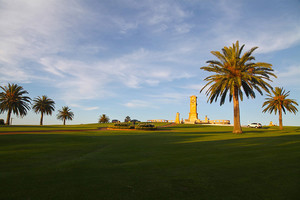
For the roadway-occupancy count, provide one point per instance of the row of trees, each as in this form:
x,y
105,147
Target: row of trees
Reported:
x,y
105,119
236,74
13,100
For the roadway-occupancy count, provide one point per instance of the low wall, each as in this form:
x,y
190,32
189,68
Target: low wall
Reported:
x,y
218,121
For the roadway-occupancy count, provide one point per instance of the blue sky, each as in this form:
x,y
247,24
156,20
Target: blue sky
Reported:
x,y
142,58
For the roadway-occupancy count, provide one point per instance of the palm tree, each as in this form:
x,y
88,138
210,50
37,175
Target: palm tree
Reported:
x,y
12,100
236,74
65,114
43,105
279,103
104,119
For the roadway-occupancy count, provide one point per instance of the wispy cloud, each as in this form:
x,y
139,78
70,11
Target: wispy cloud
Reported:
x,y
193,86
80,80
289,76
270,32
139,104
169,97
84,107
31,30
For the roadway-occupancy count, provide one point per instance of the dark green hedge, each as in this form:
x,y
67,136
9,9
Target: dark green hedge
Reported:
x,y
122,126
145,127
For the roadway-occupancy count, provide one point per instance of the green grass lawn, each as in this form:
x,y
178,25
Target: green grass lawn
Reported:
x,y
48,127
181,162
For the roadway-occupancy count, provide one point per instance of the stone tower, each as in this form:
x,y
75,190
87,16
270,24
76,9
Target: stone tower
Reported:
x,y
193,115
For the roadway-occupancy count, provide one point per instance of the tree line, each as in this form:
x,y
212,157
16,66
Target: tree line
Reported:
x,y
13,100
105,119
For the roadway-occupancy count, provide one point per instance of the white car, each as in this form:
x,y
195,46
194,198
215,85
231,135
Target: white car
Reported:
x,y
254,125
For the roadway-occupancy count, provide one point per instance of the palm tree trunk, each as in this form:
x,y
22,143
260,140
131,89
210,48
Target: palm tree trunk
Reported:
x,y
236,113
280,118
64,121
8,117
41,121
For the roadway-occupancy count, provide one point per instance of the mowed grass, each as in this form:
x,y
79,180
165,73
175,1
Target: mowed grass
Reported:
x,y
28,128
181,162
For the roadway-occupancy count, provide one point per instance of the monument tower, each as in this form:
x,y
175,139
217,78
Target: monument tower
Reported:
x,y
193,115
177,120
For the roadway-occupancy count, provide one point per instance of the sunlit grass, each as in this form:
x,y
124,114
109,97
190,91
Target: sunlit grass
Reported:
x,y
14,128
178,162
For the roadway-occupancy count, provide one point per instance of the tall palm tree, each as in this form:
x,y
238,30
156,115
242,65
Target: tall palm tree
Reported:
x,y
236,74
104,119
65,114
43,105
12,100
279,103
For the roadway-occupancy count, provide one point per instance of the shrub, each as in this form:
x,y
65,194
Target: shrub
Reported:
x,y
122,126
145,127
1,121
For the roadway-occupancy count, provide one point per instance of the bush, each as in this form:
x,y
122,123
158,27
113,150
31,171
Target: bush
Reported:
x,y
1,121
122,126
146,127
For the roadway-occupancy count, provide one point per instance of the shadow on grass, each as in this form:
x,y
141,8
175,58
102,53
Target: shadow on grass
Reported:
x,y
207,137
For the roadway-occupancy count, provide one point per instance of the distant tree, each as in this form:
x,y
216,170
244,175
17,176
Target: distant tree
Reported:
x,y
104,119
12,100
278,102
2,122
235,74
127,119
43,105
65,114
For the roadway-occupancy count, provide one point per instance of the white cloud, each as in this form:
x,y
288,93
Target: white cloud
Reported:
x,y
84,107
274,38
165,12
169,97
270,31
139,104
31,30
183,28
288,77
193,86
80,80
293,71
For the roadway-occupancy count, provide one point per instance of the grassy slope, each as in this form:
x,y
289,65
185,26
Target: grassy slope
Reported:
x,y
48,127
183,162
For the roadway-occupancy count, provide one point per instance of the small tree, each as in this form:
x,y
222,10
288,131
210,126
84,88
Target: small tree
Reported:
x,y
65,114
104,119
1,121
279,102
127,119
